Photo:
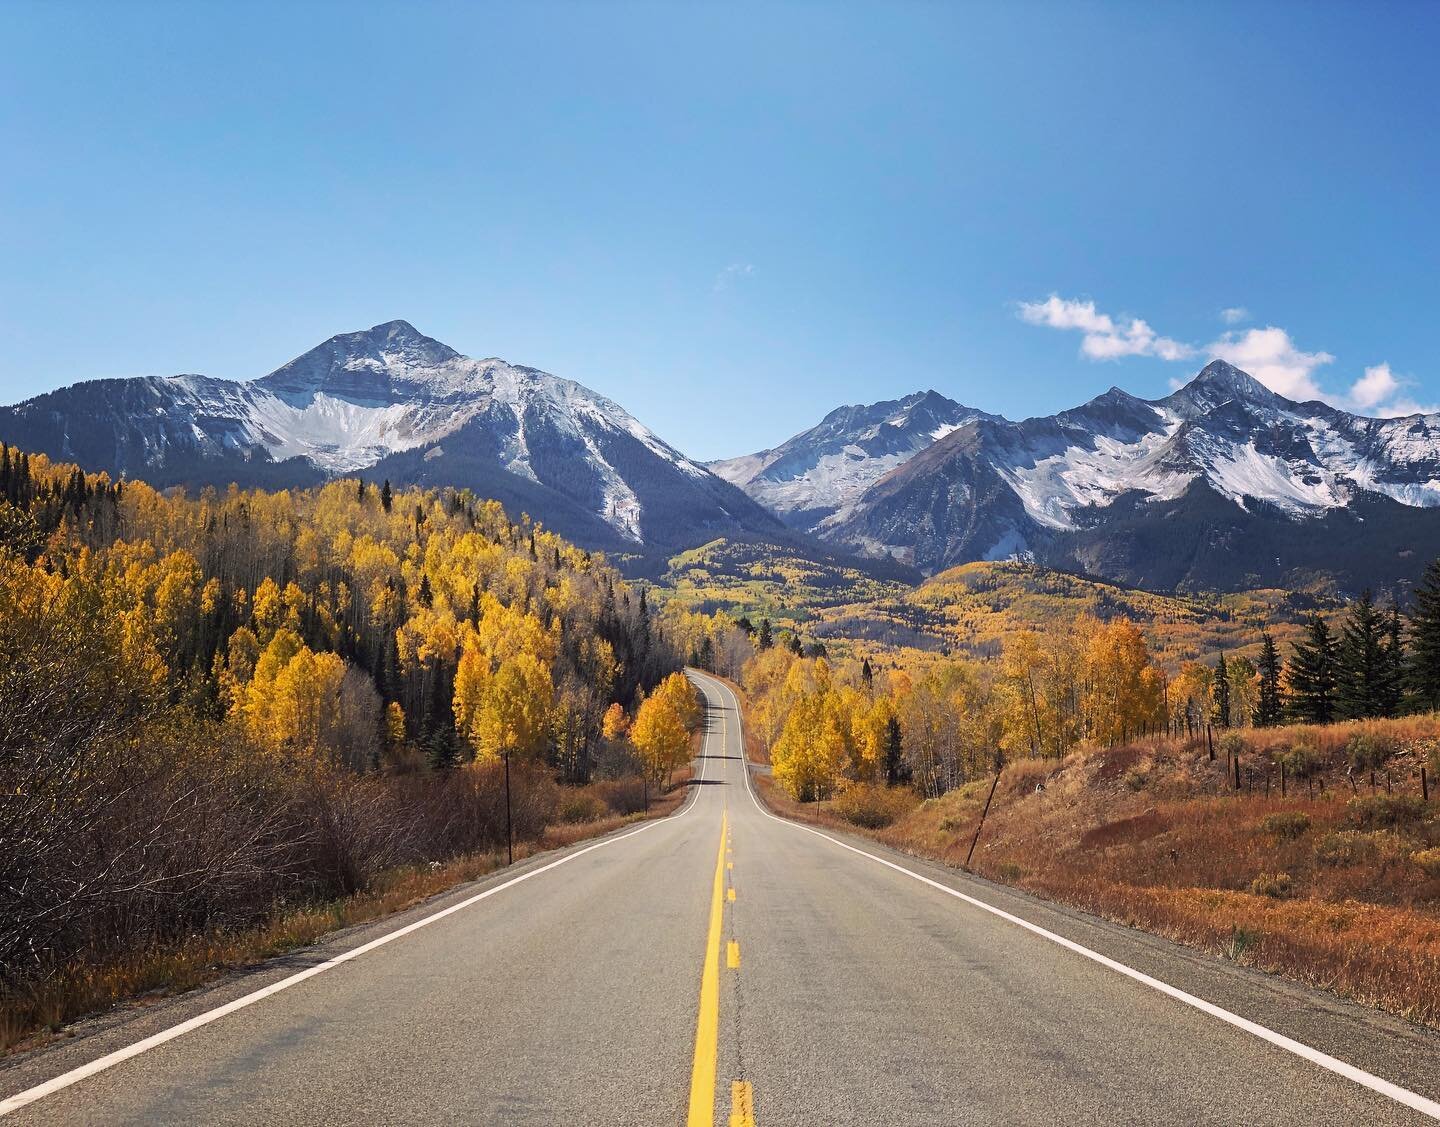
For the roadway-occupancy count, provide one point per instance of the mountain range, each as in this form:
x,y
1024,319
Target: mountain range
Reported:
x,y
1221,485
393,403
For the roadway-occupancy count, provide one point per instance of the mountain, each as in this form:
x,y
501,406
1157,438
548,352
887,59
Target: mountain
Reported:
x,y
392,402
1221,484
811,480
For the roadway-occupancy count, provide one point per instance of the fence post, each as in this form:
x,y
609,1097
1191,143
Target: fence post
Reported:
x,y
1210,742
998,764
1236,763
509,826
1424,785
1282,778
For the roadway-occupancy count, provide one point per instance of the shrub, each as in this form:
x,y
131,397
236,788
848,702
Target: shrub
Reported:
x,y
873,807
1234,744
582,806
1429,860
1343,848
1302,760
1287,824
1383,810
1275,885
1136,780
1368,751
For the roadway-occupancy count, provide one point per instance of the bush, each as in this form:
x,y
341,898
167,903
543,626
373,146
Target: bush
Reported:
x,y
1288,824
582,806
1429,860
873,807
622,796
1343,848
1368,751
1275,885
1234,744
1302,761
1384,810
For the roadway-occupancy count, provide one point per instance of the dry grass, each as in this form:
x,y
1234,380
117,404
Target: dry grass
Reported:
x,y
30,1016
1336,885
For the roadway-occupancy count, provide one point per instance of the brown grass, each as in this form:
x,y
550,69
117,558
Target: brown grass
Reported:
x,y
1335,885
30,1016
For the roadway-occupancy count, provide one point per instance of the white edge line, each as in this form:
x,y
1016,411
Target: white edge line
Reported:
x,y
101,1064
1315,1056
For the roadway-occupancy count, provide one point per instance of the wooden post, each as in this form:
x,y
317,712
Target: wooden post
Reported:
x,y
1236,763
984,812
1210,742
1282,778
1424,785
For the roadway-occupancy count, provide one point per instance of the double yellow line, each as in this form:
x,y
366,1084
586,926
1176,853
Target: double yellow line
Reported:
x,y
707,1025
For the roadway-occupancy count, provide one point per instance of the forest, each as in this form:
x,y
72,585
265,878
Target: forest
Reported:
x,y
935,723
219,705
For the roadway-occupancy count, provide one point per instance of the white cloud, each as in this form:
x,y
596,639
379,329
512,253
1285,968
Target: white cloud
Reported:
x,y
1268,354
1271,357
732,274
1104,337
1380,392
1373,388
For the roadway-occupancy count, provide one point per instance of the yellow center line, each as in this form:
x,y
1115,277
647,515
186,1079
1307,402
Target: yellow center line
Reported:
x,y
742,1104
707,1025
732,955
731,895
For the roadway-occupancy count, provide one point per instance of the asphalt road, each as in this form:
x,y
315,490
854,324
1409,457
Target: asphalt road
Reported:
x,y
724,964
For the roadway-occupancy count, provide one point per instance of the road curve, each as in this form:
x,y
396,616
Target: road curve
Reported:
x,y
723,965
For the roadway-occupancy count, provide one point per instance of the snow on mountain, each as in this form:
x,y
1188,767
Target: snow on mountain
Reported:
x,y
813,478
366,398
1042,486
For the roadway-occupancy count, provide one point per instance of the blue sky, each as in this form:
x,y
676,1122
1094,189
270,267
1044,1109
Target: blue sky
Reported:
x,y
733,218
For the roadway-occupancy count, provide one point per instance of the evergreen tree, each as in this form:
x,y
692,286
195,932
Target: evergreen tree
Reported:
x,y
707,654
1311,674
1270,701
442,748
1361,665
1424,665
796,647
764,640
1222,692
897,771
867,674
360,489
386,496
1392,679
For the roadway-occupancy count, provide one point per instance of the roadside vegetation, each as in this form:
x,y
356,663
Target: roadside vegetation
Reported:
x,y
235,718
1280,812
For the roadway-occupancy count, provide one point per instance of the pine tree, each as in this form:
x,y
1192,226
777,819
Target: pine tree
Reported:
x,y
360,489
1362,662
867,674
1424,665
707,653
764,640
1222,692
1312,673
796,646
1270,702
386,496
1392,680
897,771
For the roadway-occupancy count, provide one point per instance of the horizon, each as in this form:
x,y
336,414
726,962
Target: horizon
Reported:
x,y
1017,213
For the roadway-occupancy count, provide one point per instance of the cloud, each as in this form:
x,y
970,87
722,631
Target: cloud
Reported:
x,y
1269,354
732,274
1379,392
1271,357
1104,338
1373,388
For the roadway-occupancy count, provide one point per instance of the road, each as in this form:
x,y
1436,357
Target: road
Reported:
x,y
722,965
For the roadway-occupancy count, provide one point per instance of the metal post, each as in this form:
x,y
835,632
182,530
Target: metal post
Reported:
x,y
509,825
